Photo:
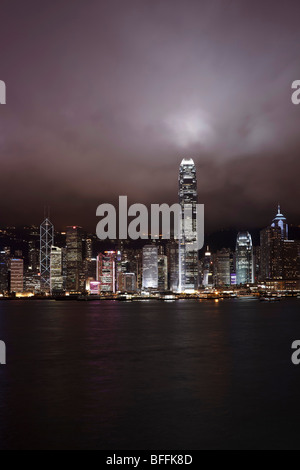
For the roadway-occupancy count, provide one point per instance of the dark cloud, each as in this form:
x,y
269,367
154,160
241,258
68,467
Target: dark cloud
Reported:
x,y
105,98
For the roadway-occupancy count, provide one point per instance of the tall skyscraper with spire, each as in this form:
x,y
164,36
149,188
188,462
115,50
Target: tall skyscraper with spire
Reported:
x,y
46,243
188,253
244,259
280,221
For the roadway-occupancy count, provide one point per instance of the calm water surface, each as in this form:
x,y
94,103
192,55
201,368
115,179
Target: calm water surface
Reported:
x,y
152,375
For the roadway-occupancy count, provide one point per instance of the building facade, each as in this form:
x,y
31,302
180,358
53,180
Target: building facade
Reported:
x,y
188,254
150,267
74,261
16,276
106,271
244,259
56,270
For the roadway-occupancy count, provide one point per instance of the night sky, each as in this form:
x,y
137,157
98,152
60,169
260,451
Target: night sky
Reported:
x,y
105,98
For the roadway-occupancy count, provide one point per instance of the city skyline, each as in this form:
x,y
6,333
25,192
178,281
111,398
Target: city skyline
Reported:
x,y
75,265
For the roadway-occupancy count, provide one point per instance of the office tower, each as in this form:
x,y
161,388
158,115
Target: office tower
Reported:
x,y
56,274
64,267
127,283
244,259
222,268
233,269
46,242
33,256
280,221
290,260
256,263
32,281
106,271
188,253
138,268
16,275
88,248
89,263
172,253
90,270
150,267
75,275
4,264
162,273
271,254
119,270
207,269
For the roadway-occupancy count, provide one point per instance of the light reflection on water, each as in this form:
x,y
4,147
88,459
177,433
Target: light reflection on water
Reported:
x,y
155,375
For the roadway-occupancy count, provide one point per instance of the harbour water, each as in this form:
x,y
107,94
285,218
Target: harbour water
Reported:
x,y
151,375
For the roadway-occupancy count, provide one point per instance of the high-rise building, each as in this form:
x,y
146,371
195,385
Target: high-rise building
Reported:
x,y
256,263
172,253
127,282
32,281
150,267
74,265
222,268
56,274
270,254
291,268
137,266
106,271
4,264
207,269
88,248
162,273
16,275
46,242
244,259
188,254
280,221
33,256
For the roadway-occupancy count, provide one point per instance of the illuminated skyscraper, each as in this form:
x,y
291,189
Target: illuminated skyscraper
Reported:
x,y
280,221
222,268
207,269
271,254
150,267
56,277
173,258
74,265
188,254
106,271
16,275
46,242
4,264
244,259
162,272
271,243
33,256
127,282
